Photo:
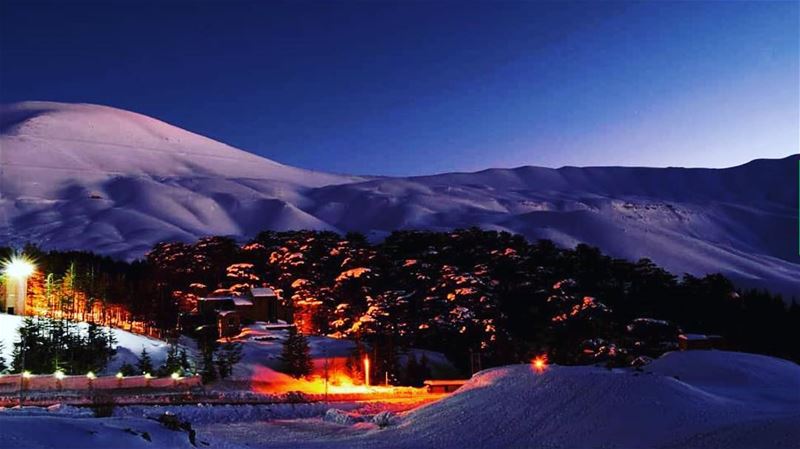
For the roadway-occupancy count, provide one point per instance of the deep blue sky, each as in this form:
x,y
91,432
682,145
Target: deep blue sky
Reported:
x,y
423,87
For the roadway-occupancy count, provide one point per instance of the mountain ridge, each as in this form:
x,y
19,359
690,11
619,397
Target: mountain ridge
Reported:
x,y
65,184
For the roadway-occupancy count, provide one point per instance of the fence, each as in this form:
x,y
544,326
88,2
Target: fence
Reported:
x,y
13,382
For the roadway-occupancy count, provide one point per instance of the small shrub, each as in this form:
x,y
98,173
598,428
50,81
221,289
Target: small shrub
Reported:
x,y
172,422
384,419
102,404
295,397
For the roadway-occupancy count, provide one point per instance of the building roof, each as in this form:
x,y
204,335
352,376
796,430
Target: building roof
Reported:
x,y
262,291
445,382
216,298
697,337
242,301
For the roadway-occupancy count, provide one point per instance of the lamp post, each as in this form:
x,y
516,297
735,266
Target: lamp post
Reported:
x,y
17,270
366,371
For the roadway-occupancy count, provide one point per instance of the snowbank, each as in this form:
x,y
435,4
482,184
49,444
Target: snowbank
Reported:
x,y
718,400
570,407
57,431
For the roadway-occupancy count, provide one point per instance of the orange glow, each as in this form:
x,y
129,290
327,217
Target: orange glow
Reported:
x,y
267,381
366,371
540,363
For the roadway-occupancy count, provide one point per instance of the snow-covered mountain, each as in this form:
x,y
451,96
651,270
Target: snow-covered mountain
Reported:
x,y
112,181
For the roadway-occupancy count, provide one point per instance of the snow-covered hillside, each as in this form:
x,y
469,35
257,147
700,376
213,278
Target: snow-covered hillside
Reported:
x,y
696,399
98,178
129,345
686,399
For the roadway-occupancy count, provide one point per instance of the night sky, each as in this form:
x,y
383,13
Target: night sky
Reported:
x,y
424,87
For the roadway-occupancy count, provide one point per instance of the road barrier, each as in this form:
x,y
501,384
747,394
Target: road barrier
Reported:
x,y
48,382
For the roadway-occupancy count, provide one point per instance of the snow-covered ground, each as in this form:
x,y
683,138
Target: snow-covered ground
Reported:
x,y
129,345
98,178
35,429
698,399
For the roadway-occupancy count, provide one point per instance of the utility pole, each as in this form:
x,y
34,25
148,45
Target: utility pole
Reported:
x,y
24,342
325,371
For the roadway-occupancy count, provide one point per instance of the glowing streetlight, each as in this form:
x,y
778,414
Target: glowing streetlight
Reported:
x,y
176,376
59,375
540,363
90,375
366,371
17,269
120,375
26,374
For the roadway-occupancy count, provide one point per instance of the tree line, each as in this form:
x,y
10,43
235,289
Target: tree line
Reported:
x,y
478,296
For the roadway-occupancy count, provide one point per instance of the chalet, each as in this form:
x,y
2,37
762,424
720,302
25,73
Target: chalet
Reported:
x,y
443,386
228,323
228,312
270,306
687,342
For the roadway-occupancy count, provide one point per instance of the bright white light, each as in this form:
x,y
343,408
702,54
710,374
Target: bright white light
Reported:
x,y
176,376
119,376
147,376
18,268
90,375
59,375
26,374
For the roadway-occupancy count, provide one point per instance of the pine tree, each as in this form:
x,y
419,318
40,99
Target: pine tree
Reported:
x,y
172,364
3,366
144,364
207,368
296,355
227,357
127,369
183,361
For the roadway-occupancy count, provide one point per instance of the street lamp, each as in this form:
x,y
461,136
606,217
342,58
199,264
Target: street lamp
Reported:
x,y
366,371
17,269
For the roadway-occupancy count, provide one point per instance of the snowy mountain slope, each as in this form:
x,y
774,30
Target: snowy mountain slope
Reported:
x,y
98,178
93,177
741,221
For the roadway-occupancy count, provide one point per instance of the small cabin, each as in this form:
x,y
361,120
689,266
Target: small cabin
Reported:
x,y
688,342
214,304
228,323
267,306
443,386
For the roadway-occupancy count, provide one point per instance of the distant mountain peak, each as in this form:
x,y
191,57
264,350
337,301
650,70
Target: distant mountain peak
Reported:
x,y
78,176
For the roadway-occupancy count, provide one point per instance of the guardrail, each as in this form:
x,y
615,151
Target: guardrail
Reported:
x,y
10,383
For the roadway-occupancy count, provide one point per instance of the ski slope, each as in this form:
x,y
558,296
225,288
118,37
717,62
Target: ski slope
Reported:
x,y
76,176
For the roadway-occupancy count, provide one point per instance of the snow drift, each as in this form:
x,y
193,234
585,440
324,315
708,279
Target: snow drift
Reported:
x,y
688,399
75,176
695,399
